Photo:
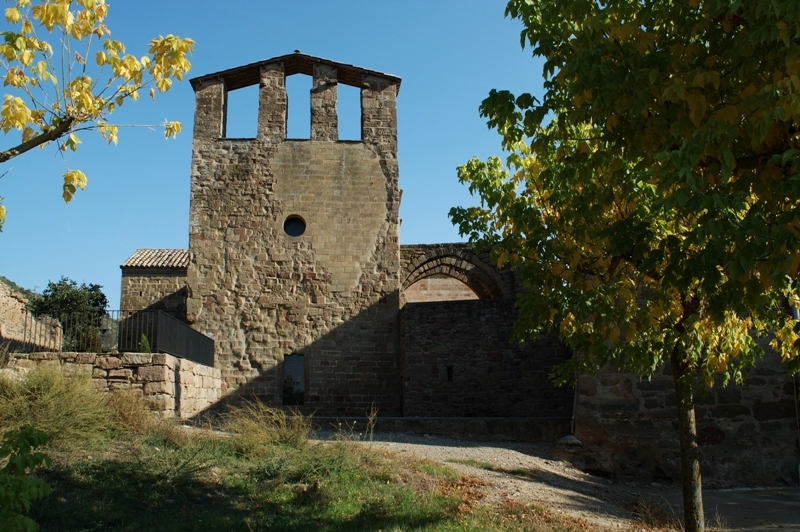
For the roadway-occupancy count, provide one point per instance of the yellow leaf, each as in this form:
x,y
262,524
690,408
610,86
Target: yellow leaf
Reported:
x,y
730,114
13,15
26,57
612,122
73,180
163,84
502,259
15,114
614,335
171,129
697,107
72,141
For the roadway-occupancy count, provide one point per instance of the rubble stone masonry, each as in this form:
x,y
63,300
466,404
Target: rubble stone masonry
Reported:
x,y
330,294
459,360
154,289
748,434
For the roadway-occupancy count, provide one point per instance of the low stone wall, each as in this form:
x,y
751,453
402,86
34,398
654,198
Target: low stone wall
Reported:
x,y
748,434
459,361
170,386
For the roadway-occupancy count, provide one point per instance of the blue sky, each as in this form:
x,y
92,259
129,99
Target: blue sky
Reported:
x,y
449,54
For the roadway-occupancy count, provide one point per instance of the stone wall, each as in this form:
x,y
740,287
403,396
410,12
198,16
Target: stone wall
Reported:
x,y
438,287
154,289
170,386
748,434
331,294
18,326
459,361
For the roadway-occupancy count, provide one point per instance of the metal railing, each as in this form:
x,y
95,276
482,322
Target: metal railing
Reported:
x,y
114,331
177,338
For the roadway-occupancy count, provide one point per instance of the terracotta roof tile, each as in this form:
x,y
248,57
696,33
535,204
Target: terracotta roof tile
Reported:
x,y
158,258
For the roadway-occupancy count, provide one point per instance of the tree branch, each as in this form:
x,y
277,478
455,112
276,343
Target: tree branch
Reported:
x,y
57,132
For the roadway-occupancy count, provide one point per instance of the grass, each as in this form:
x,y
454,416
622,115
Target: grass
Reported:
x,y
68,409
116,467
659,516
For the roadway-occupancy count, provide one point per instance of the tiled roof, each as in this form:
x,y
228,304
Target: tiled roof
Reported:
x,y
158,258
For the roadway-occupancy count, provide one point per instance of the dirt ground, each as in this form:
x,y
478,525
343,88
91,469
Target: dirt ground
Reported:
x,y
526,473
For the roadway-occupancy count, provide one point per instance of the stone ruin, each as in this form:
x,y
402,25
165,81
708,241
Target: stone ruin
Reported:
x,y
296,271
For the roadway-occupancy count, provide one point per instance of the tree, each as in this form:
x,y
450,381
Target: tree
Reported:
x,y
650,199
79,309
55,94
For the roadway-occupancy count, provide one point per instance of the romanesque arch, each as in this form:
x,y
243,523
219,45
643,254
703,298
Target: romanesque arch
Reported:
x,y
458,261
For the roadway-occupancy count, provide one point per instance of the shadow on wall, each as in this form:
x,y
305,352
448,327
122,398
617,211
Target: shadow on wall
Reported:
x,y
459,361
345,369
138,325
451,359
748,434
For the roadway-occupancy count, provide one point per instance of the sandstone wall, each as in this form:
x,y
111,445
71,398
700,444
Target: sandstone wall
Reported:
x,y
459,361
331,294
438,287
154,289
170,386
748,434
20,328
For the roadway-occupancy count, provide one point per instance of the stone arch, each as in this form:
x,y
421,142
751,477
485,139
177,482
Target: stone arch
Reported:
x,y
458,261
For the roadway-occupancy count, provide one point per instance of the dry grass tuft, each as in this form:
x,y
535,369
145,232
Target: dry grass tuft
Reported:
x,y
129,412
654,516
67,408
256,428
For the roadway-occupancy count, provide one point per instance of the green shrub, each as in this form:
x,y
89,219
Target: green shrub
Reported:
x,y
17,488
144,344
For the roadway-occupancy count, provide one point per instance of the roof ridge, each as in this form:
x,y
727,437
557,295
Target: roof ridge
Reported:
x,y
158,258
296,63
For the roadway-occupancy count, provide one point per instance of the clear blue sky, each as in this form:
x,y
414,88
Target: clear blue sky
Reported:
x,y
449,54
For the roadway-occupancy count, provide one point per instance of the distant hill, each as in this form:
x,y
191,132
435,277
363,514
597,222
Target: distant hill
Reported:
x,y
17,288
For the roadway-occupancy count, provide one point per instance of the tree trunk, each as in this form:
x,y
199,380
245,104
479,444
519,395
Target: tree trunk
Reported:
x,y
682,377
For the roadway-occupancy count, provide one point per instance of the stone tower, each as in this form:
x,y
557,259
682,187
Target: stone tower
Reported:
x,y
295,243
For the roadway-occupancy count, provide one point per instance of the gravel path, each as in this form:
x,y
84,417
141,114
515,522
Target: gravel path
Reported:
x,y
525,473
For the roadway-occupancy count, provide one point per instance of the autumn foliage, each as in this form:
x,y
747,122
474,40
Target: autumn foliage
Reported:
x,y
64,73
651,198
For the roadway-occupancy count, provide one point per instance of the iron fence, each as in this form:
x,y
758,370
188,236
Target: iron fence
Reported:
x,y
114,331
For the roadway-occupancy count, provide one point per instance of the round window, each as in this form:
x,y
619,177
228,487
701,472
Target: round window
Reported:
x,y
294,225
